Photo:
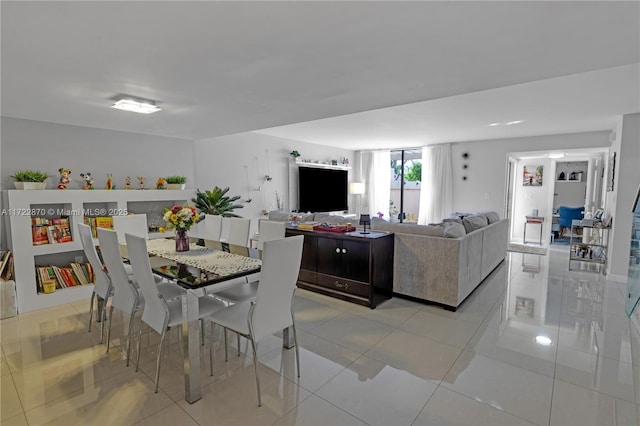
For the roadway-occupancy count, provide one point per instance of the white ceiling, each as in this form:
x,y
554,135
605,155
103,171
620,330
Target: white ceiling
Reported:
x,y
446,69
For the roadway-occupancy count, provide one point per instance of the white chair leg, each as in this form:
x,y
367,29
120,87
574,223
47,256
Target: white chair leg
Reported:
x,y
295,342
93,298
238,342
139,340
109,328
255,367
131,319
159,359
211,349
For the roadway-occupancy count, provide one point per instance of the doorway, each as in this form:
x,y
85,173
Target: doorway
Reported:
x,y
567,178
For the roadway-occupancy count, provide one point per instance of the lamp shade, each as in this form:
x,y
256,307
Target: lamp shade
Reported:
x,y
356,188
365,219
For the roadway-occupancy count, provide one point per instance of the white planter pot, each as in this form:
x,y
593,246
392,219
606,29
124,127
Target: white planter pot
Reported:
x,y
176,185
19,185
34,185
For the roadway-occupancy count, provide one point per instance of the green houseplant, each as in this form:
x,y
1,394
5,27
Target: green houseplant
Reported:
x,y
175,182
216,202
30,179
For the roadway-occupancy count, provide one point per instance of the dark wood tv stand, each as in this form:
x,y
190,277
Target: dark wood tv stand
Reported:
x,y
350,266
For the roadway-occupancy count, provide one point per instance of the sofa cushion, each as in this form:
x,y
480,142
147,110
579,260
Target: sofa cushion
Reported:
x,y
473,222
407,228
452,219
492,217
283,216
453,229
334,219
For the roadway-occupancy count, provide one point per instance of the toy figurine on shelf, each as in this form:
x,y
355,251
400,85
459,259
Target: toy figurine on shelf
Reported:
x,y
141,181
161,183
127,183
110,182
64,178
88,180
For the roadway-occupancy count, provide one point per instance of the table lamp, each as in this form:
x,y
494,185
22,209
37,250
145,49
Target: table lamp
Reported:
x,y
365,220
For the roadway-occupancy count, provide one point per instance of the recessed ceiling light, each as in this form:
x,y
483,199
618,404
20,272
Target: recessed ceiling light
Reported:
x,y
514,122
543,340
556,154
141,106
494,124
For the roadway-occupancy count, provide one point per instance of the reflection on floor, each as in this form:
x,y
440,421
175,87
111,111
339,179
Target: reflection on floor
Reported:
x,y
535,344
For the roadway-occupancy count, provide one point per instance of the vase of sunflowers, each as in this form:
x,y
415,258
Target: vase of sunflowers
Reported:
x,y
181,218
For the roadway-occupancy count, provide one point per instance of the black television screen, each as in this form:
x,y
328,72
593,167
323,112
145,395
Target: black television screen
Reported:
x,y
322,190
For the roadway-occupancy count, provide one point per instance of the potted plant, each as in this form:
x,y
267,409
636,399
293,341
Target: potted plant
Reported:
x,y
175,182
216,202
30,179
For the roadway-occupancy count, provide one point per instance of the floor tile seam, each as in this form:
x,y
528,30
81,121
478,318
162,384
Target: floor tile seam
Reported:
x,y
610,358
338,407
502,410
165,408
15,388
511,364
292,408
594,390
357,351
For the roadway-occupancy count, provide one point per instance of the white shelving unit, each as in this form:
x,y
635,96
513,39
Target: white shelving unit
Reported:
x,y
588,246
21,205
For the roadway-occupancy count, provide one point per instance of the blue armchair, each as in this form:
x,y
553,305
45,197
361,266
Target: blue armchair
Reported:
x,y
567,215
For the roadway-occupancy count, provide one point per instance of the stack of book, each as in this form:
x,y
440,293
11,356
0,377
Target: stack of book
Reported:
x,y
50,231
94,223
74,275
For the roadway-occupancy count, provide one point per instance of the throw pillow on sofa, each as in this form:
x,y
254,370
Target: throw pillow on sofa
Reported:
x,y
453,229
378,224
492,217
473,222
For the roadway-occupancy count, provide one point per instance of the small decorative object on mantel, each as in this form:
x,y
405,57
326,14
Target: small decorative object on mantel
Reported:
x,y
30,179
127,183
141,180
160,183
181,218
87,179
110,184
295,154
175,182
64,178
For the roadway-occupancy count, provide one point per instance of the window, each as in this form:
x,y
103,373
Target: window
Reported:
x,y
406,181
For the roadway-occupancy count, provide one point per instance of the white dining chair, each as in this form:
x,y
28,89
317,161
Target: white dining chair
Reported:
x,y
269,230
211,231
159,313
135,224
102,287
238,230
126,295
272,310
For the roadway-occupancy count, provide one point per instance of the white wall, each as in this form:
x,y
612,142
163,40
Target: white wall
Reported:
x,y
38,145
619,201
484,188
240,161
29,144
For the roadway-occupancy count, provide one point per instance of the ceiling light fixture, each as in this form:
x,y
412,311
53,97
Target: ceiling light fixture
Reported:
x,y
514,122
141,106
556,155
494,124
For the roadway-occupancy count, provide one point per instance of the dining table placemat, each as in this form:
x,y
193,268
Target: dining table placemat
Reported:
x,y
216,261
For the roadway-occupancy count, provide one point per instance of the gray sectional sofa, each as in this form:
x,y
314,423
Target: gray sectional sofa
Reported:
x,y
441,263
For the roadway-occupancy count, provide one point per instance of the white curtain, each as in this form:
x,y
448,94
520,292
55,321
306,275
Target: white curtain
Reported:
x,y
437,184
375,172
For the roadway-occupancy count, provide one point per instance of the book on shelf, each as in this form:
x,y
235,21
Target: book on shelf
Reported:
x,y
39,235
6,265
80,273
94,223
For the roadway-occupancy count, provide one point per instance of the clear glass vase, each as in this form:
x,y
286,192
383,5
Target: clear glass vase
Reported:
x,y
182,240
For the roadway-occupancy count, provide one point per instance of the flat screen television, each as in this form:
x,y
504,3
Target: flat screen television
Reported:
x,y
322,190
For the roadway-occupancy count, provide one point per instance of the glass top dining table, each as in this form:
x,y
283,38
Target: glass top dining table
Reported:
x,y
195,270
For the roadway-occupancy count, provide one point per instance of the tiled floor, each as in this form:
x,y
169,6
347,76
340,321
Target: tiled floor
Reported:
x,y
403,363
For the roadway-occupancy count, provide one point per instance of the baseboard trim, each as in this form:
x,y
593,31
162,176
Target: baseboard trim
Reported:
x,y
617,278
